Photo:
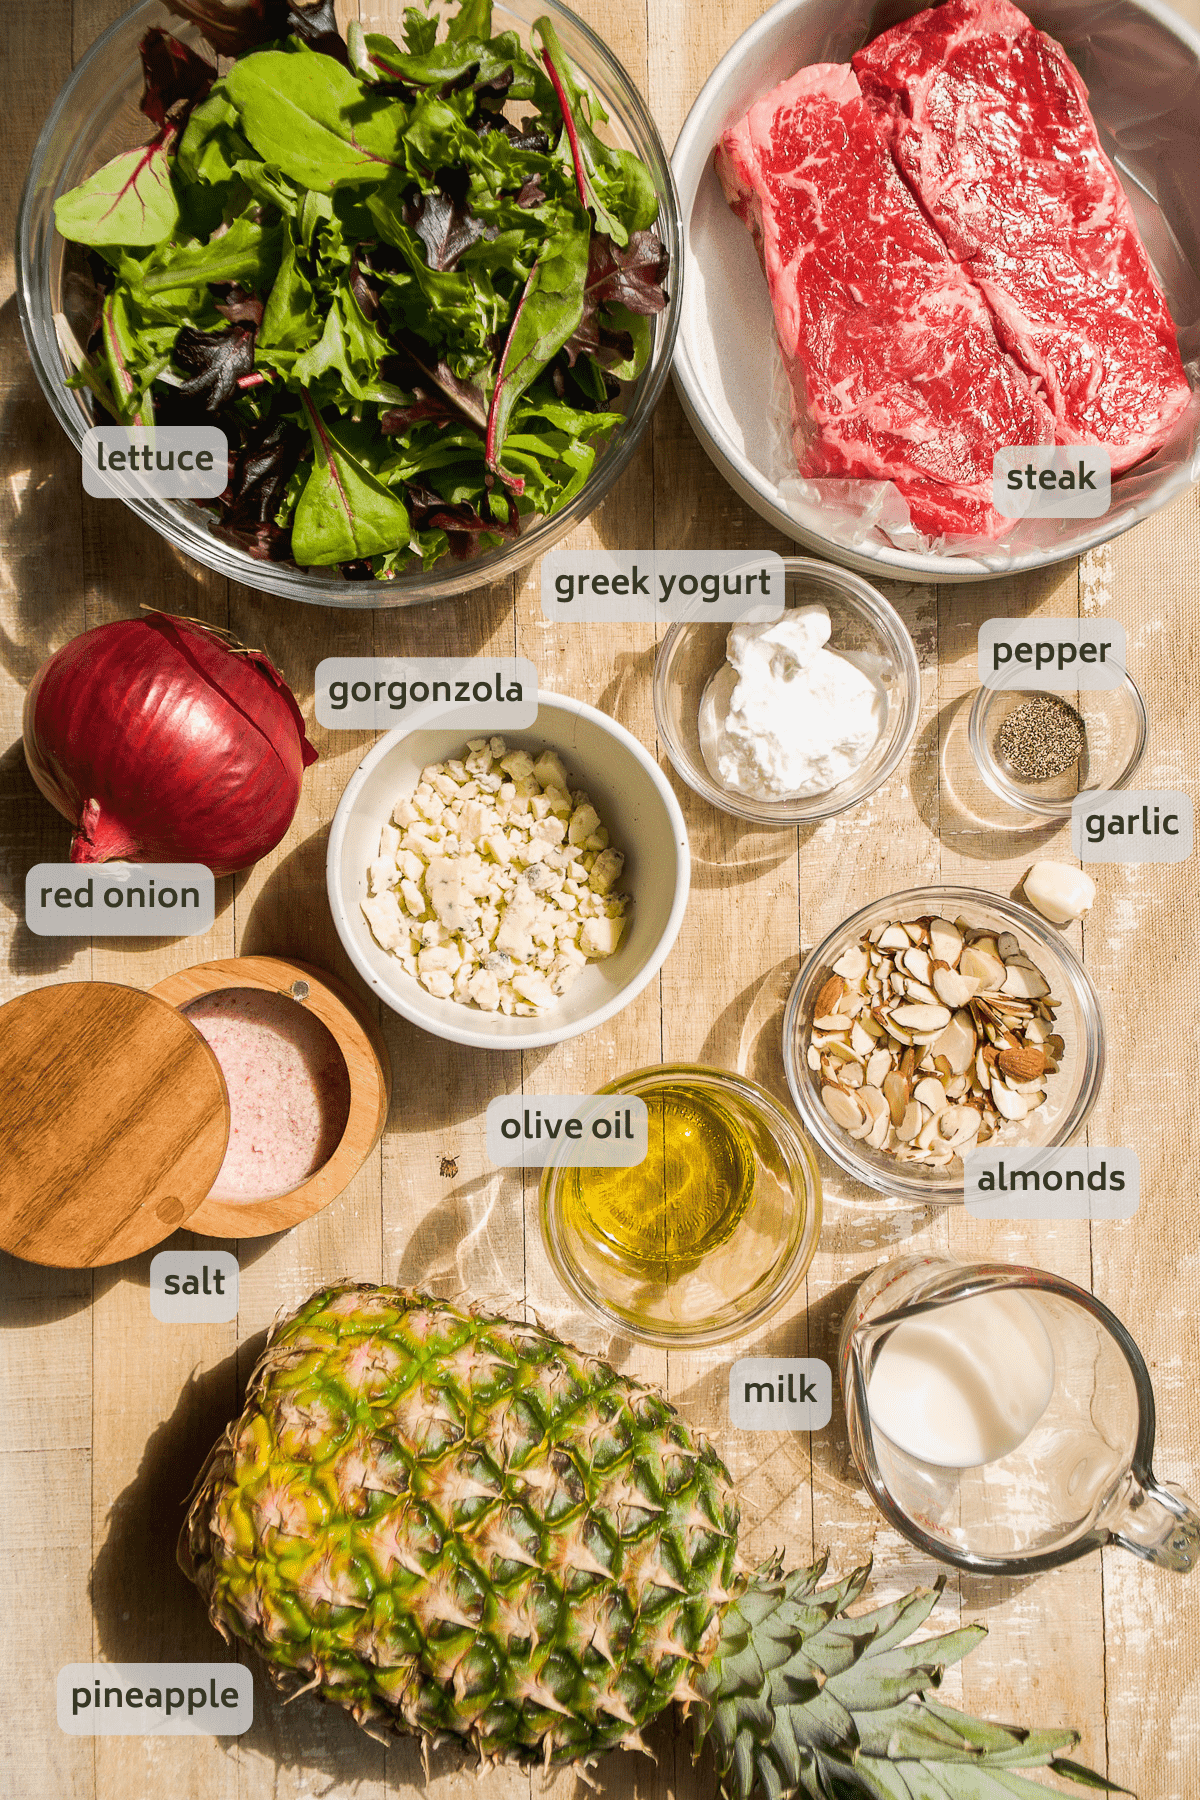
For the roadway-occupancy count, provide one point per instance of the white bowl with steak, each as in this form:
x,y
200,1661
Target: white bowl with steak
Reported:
x,y
916,243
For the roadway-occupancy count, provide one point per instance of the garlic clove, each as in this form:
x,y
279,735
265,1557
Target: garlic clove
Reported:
x,y
1060,893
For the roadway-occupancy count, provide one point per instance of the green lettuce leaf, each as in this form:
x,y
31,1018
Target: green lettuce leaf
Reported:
x,y
307,115
129,201
343,512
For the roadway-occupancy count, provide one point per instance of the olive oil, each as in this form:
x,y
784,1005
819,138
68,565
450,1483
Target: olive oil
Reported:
x,y
667,1214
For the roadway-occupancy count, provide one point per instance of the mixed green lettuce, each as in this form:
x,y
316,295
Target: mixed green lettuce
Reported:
x,y
410,310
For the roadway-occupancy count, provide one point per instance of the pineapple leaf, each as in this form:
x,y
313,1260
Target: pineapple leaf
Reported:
x,y
868,1731
1004,1740
876,1681
1063,1765
899,1620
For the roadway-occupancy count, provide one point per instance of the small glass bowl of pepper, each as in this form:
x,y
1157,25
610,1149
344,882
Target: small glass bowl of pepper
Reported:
x,y
1040,751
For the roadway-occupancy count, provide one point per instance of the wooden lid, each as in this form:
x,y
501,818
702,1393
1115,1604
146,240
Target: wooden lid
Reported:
x,y
116,1121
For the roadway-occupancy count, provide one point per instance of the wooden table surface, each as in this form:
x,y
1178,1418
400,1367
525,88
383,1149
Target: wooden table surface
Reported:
x,y
107,1414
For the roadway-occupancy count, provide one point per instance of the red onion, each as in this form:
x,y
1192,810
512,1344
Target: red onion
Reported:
x,y
162,743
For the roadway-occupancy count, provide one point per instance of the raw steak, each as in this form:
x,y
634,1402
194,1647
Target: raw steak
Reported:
x,y
895,368
989,124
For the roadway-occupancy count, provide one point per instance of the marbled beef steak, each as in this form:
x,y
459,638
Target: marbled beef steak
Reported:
x,y
952,263
895,368
989,124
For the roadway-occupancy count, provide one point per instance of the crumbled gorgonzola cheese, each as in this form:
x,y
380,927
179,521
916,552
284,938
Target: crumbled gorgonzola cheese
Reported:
x,y
495,881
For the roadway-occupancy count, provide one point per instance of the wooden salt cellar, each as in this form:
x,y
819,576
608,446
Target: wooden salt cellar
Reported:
x,y
117,1115
366,1058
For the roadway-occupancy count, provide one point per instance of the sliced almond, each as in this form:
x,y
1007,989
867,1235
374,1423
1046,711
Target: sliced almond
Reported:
x,y
878,1135
893,937
832,1022
861,1042
829,997
878,1066
897,1094
851,1075
1026,981
917,962
911,1123
1008,945
852,963
945,940
921,1018
814,1057
928,1131
958,1123
873,1103
957,1043
842,1108
1008,1104
930,1093
988,970
953,988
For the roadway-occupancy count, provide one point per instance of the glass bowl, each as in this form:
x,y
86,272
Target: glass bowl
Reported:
x,y
1116,725
96,116
745,1275
863,622
1070,1093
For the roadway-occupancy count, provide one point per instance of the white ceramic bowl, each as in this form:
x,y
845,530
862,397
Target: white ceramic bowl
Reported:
x,y
1141,63
633,799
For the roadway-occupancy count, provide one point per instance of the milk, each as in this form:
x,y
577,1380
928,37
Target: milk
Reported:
x,y
964,1384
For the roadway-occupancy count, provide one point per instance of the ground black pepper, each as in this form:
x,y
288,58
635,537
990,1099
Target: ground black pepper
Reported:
x,y
1041,738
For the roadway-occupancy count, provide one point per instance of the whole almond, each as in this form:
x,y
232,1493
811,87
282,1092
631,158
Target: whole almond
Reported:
x,y
1023,1064
830,994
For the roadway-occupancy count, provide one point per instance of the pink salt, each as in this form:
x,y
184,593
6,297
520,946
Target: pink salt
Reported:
x,y
289,1089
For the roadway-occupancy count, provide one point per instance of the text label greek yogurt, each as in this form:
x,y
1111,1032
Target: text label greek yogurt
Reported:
x,y
576,1131
650,586
473,693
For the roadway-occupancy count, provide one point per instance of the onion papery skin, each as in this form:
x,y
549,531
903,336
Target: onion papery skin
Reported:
x,y
161,744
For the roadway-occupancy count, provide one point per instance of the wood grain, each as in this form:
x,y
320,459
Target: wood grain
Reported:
x,y
118,1123
108,1414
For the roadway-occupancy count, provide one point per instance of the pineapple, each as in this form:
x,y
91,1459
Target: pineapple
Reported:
x,y
461,1527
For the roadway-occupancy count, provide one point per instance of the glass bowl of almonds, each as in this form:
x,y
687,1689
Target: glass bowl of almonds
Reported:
x,y
934,1022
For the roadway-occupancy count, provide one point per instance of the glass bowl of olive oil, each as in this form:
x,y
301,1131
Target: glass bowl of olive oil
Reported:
x,y
713,1231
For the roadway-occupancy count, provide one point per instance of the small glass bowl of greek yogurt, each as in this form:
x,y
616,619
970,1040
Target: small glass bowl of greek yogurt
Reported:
x,y
790,722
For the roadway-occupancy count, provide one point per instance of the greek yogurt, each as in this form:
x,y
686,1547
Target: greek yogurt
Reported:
x,y
786,717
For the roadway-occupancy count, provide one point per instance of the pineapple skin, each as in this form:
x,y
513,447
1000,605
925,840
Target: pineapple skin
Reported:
x,y
459,1526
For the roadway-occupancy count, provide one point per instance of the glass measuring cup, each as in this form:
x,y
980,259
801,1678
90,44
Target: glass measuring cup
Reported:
x,y
1080,1478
